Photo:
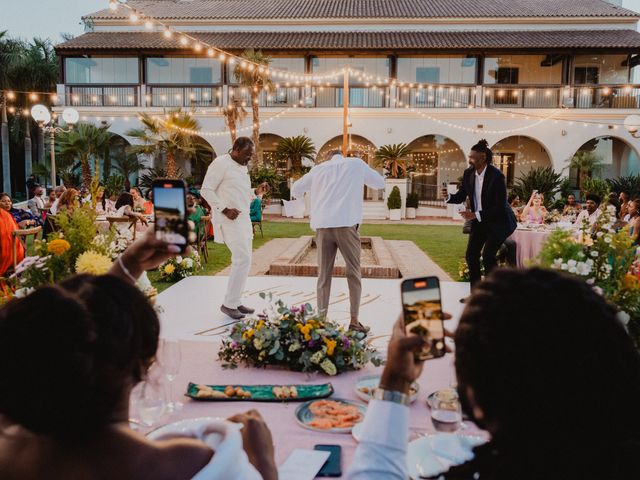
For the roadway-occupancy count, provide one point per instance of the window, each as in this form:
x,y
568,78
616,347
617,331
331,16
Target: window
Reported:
x,y
200,75
424,180
446,69
507,76
105,70
183,71
505,163
428,74
586,75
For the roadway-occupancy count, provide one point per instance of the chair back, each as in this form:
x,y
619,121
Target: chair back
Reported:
x,y
21,236
132,221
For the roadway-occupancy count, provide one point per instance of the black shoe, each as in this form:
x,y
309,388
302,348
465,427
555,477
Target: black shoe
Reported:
x,y
232,312
246,310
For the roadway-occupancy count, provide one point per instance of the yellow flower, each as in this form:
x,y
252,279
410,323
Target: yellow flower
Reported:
x,y
248,334
58,246
93,263
305,330
169,269
630,282
260,325
331,346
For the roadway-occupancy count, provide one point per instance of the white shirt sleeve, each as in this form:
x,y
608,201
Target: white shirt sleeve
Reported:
x,y
478,216
213,178
302,186
382,453
373,179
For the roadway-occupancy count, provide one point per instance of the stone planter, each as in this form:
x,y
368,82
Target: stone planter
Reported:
x,y
395,214
411,212
402,184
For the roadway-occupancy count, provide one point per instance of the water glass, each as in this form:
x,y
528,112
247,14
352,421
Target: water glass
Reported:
x,y
148,402
446,412
170,360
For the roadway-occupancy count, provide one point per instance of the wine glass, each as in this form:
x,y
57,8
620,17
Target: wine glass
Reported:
x,y
149,402
446,412
170,359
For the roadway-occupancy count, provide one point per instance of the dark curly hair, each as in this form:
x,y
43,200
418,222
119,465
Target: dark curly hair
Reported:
x,y
554,372
483,147
69,354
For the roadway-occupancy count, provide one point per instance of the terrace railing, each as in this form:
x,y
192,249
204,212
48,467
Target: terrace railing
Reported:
x,y
183,96
102,95
450,96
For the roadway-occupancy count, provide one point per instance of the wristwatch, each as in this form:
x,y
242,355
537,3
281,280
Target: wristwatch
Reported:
x,y
391,396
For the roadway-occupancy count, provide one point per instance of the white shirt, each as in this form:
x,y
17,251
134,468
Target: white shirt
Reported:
x,y
337,188
584,215
227,185
54,207
382,452
478,192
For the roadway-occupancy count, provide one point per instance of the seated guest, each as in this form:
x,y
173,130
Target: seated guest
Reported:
x,y
535,211
23,218
51,198
148,204
615,203
572,207
59,191
36,204
255,209
624,200
8,225
634,219
69,201
591,213
103,339
104,205
125,208
530,377
196,212
138,200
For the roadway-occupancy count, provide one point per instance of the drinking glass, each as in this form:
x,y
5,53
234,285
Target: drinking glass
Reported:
x,y
170,359
149,402
446,413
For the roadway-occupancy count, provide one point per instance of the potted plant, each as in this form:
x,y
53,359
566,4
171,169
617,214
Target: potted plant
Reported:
x,y
412,205
394,204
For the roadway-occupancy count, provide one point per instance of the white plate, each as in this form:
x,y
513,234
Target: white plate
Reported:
x,y
304,415
372,381
356,431
188,426
425,455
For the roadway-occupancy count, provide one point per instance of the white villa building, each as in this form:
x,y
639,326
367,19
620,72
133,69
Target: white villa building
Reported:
x,y
539,79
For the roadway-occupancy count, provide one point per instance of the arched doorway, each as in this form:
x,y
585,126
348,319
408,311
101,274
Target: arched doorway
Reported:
x,y
617,158
269,146
358,147
436,160
118,161
199,163
517,155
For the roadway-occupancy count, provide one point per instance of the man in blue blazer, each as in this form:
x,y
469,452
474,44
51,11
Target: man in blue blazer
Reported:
x,y
492,219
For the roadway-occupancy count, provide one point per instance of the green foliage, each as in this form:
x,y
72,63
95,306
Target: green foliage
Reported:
x,y
394,201
85,142
596,186
629,184
413,200
146,180
395,159
565,187
271,176
114,185
129,165
78,228
294,149
559,244
543,179
588,164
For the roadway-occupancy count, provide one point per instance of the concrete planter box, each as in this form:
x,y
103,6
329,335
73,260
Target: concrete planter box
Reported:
x,y
411,212
395,214
402,184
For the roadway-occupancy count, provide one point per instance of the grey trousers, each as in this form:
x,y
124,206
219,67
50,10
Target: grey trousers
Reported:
x,y
328,242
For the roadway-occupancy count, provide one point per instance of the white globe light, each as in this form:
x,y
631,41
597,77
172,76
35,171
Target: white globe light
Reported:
x,y
70,116
632,124
41,114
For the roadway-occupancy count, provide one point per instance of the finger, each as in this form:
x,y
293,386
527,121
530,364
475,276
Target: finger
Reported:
x,y
411,342
238,418
448,333
446,316
398,327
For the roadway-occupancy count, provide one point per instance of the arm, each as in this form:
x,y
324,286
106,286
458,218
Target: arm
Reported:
x,y
212,180
372,179
302,186
461,195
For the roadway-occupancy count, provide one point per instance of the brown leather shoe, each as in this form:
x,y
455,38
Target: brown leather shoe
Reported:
x,y
246,310
232,312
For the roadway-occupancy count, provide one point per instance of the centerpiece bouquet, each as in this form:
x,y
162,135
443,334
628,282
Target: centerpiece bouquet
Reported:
x,y
180,267
604,258
296,338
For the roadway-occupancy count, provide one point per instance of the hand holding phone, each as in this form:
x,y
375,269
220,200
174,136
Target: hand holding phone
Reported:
x,y
170,211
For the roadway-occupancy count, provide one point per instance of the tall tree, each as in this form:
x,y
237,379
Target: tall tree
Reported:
x,y
127,166
85,142
234,114
294,149
395,159
256,80
173,137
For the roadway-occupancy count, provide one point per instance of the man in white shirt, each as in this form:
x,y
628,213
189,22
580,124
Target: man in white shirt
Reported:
x,y
59,191
591,213
227,189
336,190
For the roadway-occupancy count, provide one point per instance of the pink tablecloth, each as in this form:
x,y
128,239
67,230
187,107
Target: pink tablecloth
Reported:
x,y
529,244
200,365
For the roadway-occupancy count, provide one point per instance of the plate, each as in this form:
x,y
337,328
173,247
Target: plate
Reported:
x,y
304,416
263,393
432,455
187,426
356,431
371,382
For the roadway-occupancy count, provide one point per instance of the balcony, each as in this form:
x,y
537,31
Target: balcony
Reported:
x,y
183,96
458,96
281,97
359,97
102,95
586,96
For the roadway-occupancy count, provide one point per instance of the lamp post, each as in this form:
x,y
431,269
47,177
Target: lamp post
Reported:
x,y
41,114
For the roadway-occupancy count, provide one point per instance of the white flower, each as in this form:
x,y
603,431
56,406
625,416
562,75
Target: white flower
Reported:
x,y
573,269
594,253
598,290
557,263
589,262
583,269
23,292
591,281
599,234
623,317
607,239
564,266
179,259
572,263
187,263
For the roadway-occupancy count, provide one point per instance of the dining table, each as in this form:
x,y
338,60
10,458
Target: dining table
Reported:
x,y
529,242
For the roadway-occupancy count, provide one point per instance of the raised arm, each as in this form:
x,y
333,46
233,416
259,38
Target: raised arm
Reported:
x,y
302,185
372,179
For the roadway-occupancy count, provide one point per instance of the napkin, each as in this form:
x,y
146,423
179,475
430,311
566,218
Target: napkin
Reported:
x,y
451,447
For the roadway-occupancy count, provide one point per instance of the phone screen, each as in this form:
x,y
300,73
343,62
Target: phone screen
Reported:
x,y
333,466
170,208
422,307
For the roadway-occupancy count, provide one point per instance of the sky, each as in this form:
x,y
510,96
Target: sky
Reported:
x,y
46,18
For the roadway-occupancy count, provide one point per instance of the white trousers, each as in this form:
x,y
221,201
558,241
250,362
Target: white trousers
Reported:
x,y
240,242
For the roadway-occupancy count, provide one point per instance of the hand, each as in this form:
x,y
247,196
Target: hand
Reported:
x,y
231,213
445,193
468,215
263,188
147,253
257,443
143,220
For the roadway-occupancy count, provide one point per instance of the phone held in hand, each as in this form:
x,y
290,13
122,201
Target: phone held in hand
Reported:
x,y
333,466
422,310
170,210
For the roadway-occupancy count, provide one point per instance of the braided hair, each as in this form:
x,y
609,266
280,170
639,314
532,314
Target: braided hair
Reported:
x,y
483,147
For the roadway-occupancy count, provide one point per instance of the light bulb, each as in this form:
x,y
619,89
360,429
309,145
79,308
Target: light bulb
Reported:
x,y
113,5
133,17
168,33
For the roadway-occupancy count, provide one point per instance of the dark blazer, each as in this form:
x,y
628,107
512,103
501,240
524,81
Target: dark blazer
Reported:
x,y
496,213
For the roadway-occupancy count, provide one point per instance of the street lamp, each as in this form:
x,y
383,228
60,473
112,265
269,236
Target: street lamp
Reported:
x,y
632,124
41,114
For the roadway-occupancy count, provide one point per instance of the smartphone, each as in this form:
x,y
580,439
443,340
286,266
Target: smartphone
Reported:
x,y
333,466
422,309
170,211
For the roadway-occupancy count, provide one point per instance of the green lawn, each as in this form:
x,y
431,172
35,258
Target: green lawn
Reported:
x,y
444,244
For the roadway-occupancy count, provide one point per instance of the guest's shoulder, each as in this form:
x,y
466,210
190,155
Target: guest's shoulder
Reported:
x,y
495,170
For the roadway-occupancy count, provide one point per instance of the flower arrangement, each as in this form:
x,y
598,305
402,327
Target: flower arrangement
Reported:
x,y
179,267
93,263
605,259
553,216
296,338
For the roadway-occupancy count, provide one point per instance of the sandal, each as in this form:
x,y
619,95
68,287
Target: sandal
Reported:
x,y
358,327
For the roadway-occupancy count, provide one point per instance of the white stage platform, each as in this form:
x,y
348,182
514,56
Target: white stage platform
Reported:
x,y
191,308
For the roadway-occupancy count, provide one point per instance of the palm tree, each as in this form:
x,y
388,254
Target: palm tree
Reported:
x,y
85,142
294,149
234,114
172,137
127,166
255,80
587,164
395,159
